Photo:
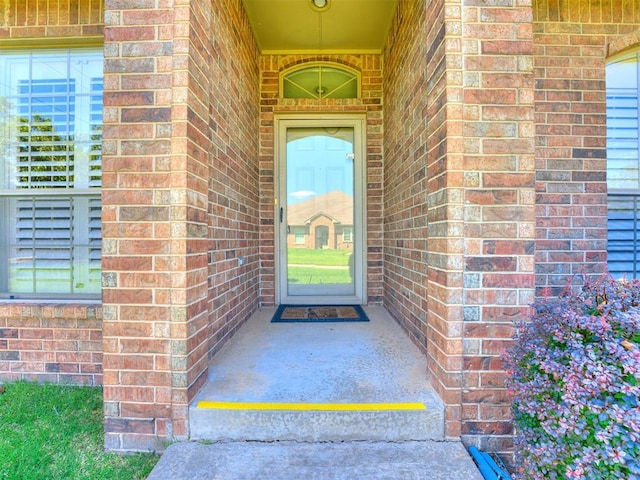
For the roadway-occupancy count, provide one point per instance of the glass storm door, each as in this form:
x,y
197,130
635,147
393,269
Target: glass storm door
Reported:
x,y
319,215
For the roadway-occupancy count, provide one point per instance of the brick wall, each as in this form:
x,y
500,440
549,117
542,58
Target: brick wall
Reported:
x,y
50,342
571,46
499,207
179,206
370,103
522,92
459,203
422,240
142,194
234,202
42,19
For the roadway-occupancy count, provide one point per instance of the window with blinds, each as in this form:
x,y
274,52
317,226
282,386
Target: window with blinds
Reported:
x,y
623,165
50,173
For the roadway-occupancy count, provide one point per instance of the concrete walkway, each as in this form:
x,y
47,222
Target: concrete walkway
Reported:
x,y
316,461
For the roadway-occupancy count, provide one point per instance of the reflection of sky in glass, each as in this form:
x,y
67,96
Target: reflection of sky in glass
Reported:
x,y
623,74
52,100
317,164
623,142
623,166
320,173
53,74
59,95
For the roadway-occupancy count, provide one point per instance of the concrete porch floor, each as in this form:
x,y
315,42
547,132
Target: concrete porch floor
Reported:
x,y
343,363
343,367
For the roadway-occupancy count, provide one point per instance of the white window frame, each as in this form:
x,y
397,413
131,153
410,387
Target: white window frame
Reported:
x,y
347,235
623,164
299,235
60,258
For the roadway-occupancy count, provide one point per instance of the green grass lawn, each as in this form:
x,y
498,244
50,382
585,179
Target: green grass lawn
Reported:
x,y
56,432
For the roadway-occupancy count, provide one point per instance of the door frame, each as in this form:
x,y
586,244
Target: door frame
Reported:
x,y
358,122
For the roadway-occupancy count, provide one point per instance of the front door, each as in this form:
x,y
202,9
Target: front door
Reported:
x,y
319,210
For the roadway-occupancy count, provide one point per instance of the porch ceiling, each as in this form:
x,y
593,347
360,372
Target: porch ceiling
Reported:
x,y
346,26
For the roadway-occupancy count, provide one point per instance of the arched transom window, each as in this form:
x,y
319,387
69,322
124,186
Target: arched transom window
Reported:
x,y
320,81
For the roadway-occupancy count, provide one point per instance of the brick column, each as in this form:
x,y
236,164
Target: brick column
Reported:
x,y
423,190
154,225
499,205
180,206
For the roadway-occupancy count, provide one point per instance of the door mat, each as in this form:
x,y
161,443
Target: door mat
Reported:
x,y
319,313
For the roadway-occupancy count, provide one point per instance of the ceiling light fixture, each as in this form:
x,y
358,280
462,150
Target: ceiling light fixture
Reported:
x,y
319,4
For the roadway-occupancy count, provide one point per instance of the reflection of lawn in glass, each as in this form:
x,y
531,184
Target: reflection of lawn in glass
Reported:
x,y
53,276
318,256
317,276
318,266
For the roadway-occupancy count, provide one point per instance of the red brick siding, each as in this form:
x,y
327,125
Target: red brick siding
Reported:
x,y
271,103
499,207
571,47
50,342
41,19
459,203
624,42
234,202
421,271
180,206
142,194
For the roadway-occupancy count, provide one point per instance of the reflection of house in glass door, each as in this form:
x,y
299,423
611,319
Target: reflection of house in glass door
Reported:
x,y
325,221
322,236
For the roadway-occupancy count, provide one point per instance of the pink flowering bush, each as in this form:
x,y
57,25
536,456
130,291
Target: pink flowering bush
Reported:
x,y
575,377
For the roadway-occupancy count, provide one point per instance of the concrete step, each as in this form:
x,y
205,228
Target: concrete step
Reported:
x,y
224,421
427,460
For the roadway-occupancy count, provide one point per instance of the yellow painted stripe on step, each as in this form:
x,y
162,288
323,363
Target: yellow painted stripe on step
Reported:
x,y
333,407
